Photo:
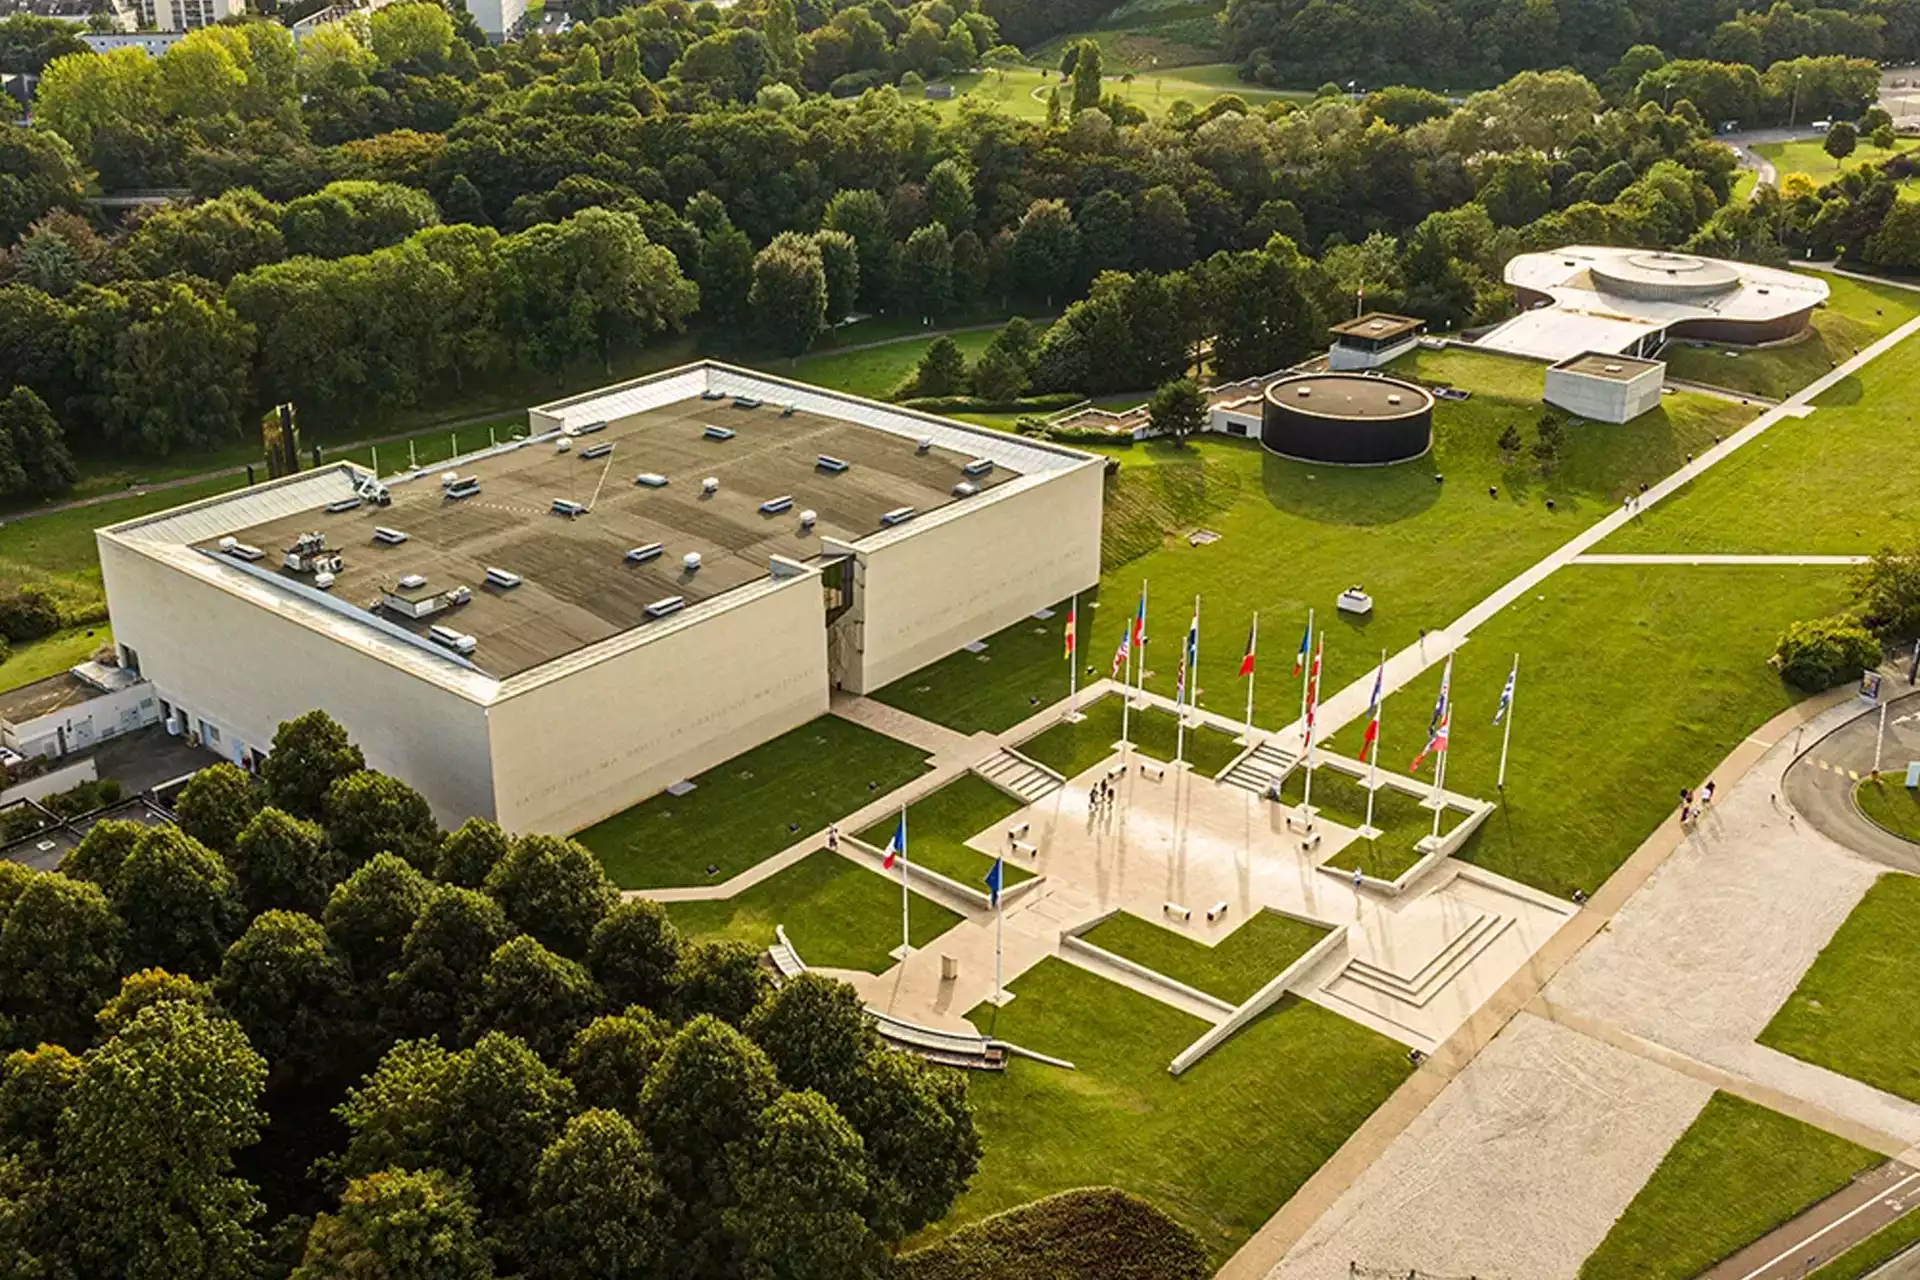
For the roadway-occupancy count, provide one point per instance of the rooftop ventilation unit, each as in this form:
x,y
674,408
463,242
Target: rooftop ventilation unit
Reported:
x,y
978,467
899,515
503,578
690,562
710,485
711,394
807,518
1393,397
240,550
569,508
412,581
745,402
447,637
828,463
596,451
464,487
1613,368
718,433
640,555
926,444
323,580
1304,392
661,608
391,537
774,506
965,490
562,445
344,504
650,480
590,428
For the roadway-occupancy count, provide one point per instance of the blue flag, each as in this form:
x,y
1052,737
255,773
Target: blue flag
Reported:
x,y
897,845
993,883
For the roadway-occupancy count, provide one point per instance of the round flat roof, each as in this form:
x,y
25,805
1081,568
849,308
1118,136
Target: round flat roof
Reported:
x,y
1349,395
1657,275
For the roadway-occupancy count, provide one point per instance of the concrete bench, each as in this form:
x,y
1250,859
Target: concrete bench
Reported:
x,y
1026,850
1310,842
1149,769
1175,909
1016,833
1116,771
1215,911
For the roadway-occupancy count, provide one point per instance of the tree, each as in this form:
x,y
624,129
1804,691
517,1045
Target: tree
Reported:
x,y
591,282
555,890
862,215
926,271
148,987
529,992
1509,442
1825,652
289,990
611,1057
789,293
998,376
469,855
369,813
726,276
411,33
217,805
463,202
921,1145
283,862
81,94
1260,309
942,370
1166,233
950,195
1841,140
39,173
34,447
371,912
1550,440
633,954
216,239
398,1225
146,1147
60,948
1046,250
310,753
798,1181
815,1031
355,216
1086,77
442,961
181,904
840,263
1886,592
34,1088
1179,409
597,1205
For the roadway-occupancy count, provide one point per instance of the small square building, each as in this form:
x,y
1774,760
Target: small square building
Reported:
x,y
1605,388
1371,340
656,577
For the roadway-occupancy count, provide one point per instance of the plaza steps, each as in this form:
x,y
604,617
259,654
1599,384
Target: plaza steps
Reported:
x,y
1259,768
1018,776
1420,986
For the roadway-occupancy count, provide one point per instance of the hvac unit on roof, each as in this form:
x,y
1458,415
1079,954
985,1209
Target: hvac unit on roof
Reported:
x,y
562,445
412,582
449,478
925,445
650,480
774,506
343,504
745,402
826,462
569,508
808,517
503,578
899,515
457,641
786,410
323,580
711,394
640,555
717,433
661,608
978,467
590,428
596,451
690,562
391,537
240,550
461,594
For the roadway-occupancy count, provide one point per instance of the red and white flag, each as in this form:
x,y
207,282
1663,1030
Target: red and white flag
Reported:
x,y
1442,720
1371,738
1313,690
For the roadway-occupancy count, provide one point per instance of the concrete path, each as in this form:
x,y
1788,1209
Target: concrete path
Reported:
x,y
1597,558
944,744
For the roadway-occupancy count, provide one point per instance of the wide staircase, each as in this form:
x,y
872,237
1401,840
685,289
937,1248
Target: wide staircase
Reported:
x,y
1019,776
1419,986
1259,768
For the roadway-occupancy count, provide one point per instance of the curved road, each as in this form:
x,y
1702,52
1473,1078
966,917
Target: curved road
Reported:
x,y
1819,783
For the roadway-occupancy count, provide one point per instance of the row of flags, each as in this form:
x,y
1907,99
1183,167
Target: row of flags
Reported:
x,y
897,852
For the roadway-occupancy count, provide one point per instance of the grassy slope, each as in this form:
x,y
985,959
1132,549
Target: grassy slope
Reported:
x,y
1809,156
1220,1147
1633,682
1823,484
1071,748
753,806
837,914
876,372
1736,1173
38,659
1022,91
1856,313
1853,1009
1234,968
1891,805
939,825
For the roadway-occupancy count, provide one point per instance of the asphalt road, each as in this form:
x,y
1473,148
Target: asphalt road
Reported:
x,y
1820,782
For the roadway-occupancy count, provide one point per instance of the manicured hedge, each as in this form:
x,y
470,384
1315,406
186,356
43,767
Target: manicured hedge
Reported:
x,y
1095,1233
975,404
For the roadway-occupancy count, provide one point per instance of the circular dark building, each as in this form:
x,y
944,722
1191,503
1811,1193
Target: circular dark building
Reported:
x,y
1346,418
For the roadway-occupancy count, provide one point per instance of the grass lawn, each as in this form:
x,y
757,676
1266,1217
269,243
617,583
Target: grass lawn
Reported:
x,y
877,371
1835,482
753,806
837,914
1485,373
1738,1172
1853,1009
1809,156
1070,748
1220,1147
1634,682
1233,969
1891,805
1022,91
1401,820
37,659
1873,1251
1021,670
939,825
1857,312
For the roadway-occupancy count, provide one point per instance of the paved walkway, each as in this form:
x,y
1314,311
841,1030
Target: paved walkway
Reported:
x,y
1598,558
1828,1229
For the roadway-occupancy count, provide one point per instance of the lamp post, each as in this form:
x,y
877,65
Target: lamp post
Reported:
x,y
1793,111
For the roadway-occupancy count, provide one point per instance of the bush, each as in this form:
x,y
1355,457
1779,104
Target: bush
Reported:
x,y
28,614
1825,652
978,404
855,83
84,798
1095,1233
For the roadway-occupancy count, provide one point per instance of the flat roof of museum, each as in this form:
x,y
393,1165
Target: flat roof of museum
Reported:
x,y
575,582
1380,326
1349,395
1596,364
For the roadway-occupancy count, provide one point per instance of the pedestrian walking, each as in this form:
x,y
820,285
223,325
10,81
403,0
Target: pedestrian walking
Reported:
x,y
1707,797
833,838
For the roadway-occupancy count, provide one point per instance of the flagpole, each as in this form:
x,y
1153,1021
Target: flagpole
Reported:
x,y
1303,688
1183,697
1073,653
1373,759
906,933
999,940
1253,649
1313,674
1513,684
1440,767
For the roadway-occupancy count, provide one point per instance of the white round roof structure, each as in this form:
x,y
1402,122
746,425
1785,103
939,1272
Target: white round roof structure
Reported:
x,y
1664,277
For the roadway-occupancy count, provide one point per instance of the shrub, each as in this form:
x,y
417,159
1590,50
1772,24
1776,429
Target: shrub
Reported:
x,y
1095,1233
1825,652
979,404
28,614
85,798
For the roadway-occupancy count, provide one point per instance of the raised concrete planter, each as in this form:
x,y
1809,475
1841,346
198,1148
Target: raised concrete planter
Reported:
x,y
1263,999
1070,940
942,885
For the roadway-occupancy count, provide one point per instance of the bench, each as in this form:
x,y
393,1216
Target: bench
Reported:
x,y
1149,769
1215,911
1175,909
1026,850
1310,842
1014,833
1296,823
1116,771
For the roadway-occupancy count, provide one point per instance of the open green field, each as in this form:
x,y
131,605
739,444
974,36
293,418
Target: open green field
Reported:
x,y
1293,535
1143,34
1398,816
1738,1172
753,806
1233,968
1072,747
877,371
1809,156
1853,1009
1825,484
939,825
837,914
1857,312
1485,373
1887,803
1220,1147
1022,669
1022,91
38,659
1634,680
